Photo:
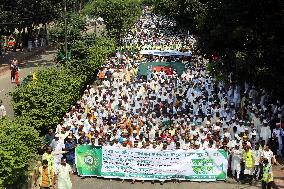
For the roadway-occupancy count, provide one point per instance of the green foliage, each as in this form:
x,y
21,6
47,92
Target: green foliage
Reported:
x,y
29,13
76,26
184,12
248,36
43,102
118,15
18,146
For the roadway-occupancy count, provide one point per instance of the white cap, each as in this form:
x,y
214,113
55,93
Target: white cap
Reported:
x,y
197,143
227,135
264,121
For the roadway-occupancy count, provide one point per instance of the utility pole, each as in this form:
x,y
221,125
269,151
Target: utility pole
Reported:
x,y
65,20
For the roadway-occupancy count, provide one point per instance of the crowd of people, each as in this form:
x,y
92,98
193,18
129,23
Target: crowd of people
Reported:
x,y
170,111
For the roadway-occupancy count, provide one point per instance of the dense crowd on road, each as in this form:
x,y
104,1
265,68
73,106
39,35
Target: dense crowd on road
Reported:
x,y
171,111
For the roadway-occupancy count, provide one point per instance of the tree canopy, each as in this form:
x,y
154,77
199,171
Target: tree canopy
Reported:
x,y
19,14
246,36
118,15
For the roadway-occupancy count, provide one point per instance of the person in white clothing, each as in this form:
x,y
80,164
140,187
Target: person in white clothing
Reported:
x,y
265,132
267,154
2,110
64,175
257,157
279,134
236,161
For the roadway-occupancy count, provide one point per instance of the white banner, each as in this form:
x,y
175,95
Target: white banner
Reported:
x,y
145,164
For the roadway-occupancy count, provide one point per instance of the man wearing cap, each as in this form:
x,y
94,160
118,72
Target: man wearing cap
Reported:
x,y
265,132
249,163
279,134
257,164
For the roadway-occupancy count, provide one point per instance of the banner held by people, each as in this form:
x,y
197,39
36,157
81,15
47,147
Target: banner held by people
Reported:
x,y
111,162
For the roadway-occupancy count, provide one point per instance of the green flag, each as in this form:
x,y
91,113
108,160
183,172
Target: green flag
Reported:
x,y
88,160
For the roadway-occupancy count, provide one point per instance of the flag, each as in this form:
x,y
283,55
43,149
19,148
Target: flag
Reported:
x,y
89,160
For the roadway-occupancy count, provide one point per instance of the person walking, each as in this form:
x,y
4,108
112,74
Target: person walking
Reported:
x,y
236,162
249,164
44,176
64,175
13,68
267,179
2,110
17,76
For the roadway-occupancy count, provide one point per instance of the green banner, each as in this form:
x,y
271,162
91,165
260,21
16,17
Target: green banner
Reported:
x,y
150,164
89,160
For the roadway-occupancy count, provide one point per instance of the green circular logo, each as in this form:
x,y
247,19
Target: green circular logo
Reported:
x,y
89,160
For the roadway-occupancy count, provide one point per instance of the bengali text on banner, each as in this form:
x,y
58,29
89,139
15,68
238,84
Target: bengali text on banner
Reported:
x,y
150,164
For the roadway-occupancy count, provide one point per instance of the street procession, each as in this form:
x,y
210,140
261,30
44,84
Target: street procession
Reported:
x,y
155,101
141,94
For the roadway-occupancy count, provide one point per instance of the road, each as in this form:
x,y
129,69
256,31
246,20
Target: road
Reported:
x,y
37,62
116,184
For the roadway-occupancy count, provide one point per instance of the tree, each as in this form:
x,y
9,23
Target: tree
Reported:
x,y
76,26
184,12
118,15
248,38
18,146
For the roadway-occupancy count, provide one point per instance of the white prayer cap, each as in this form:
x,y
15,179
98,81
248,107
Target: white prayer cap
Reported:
x,y
227,135
246,129
237,137
92,129
253,133
208,123
217,128
57,135
264,121
205,129
135,131
197,143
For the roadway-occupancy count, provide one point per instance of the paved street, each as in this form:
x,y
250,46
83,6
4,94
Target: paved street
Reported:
x,y
114,184
26,68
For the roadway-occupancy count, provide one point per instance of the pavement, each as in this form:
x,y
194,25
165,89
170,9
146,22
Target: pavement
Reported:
x,y
28,63
87,183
